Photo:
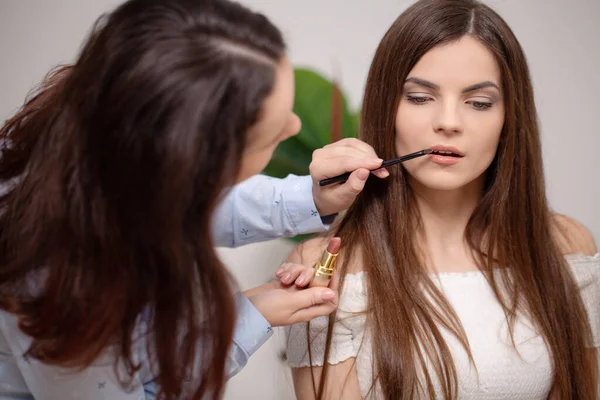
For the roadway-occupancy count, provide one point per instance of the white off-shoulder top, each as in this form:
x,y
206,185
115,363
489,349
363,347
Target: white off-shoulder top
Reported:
x,y
502,372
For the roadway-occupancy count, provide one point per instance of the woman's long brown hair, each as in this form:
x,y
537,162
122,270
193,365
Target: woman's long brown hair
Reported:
x,y
511,226
110,174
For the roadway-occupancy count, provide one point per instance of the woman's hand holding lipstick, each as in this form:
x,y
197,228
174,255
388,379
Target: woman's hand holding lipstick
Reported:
x,y
296,296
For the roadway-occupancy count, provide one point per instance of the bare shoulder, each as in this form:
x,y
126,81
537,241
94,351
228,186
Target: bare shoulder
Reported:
x,y
572,236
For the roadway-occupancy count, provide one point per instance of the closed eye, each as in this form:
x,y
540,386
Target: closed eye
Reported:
x,y
480,105
418,99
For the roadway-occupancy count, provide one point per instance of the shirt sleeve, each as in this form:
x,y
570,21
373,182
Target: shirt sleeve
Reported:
x,y
263,208
251,332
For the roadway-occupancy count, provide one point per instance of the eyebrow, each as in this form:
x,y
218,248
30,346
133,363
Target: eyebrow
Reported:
x,y
480,85
422,82
472,88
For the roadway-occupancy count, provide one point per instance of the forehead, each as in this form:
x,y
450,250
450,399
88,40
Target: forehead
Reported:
x,y
462,62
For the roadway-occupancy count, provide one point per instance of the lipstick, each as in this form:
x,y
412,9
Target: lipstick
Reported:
x,y
324,269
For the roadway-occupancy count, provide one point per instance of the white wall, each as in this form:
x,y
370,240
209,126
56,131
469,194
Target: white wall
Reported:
x,y
559,36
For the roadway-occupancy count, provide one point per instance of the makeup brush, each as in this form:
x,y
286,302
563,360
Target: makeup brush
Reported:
x,y
344,177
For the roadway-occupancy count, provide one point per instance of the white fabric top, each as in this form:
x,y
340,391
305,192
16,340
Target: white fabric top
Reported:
x,y
502,372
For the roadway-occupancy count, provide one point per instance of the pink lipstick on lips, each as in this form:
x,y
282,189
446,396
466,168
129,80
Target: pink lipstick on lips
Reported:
x,y
445,155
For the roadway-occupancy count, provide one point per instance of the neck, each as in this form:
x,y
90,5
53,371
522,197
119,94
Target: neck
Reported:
x,y
445,215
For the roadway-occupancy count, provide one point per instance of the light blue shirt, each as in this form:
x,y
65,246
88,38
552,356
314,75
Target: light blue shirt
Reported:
x,y
260,208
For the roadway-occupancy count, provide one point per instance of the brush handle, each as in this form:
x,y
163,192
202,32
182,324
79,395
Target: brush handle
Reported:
x,y
335,179
407,157
385,164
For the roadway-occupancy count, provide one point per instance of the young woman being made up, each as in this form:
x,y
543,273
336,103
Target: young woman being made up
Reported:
x,y
457,280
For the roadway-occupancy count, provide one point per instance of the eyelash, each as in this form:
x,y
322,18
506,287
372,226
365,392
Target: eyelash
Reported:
x,y
477,105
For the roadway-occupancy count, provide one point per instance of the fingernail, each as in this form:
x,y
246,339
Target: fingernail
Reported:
x,y
286,277
300,281
363,174
328,295
279,271
385,173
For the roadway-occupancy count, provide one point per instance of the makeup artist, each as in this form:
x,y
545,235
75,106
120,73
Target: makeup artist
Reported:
x,y
110,286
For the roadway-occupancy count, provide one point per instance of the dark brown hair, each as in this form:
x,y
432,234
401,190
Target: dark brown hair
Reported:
x,y
511,227
111,172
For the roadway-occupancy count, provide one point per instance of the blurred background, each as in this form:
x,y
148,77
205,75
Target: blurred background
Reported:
x,y
336,39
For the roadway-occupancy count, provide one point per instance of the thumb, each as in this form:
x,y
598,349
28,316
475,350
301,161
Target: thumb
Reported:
x,y
313,312
312,298
312,303
355,183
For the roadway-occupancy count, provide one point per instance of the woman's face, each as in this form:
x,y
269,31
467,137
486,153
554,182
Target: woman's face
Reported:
x,y
451,101
277,122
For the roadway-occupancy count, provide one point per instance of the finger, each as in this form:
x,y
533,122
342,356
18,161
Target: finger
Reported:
x,y
352,164
283,269
313,311
354,185
311,297
341,165
305,277
340,152
358,145
279,271
341,160
381,173
291,272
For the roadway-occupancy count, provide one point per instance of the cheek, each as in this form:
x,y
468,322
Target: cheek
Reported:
x,y
487,144
409,130
483,156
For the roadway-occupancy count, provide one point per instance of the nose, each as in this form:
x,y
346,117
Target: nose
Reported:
x,y
448,119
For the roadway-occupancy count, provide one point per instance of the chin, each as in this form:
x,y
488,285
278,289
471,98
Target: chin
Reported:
x,y
442,182
443,186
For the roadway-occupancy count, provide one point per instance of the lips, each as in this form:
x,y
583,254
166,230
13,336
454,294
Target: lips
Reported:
x,y
445,155
446,151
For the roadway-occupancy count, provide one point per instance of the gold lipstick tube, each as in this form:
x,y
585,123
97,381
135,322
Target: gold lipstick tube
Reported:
x,y
324,269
